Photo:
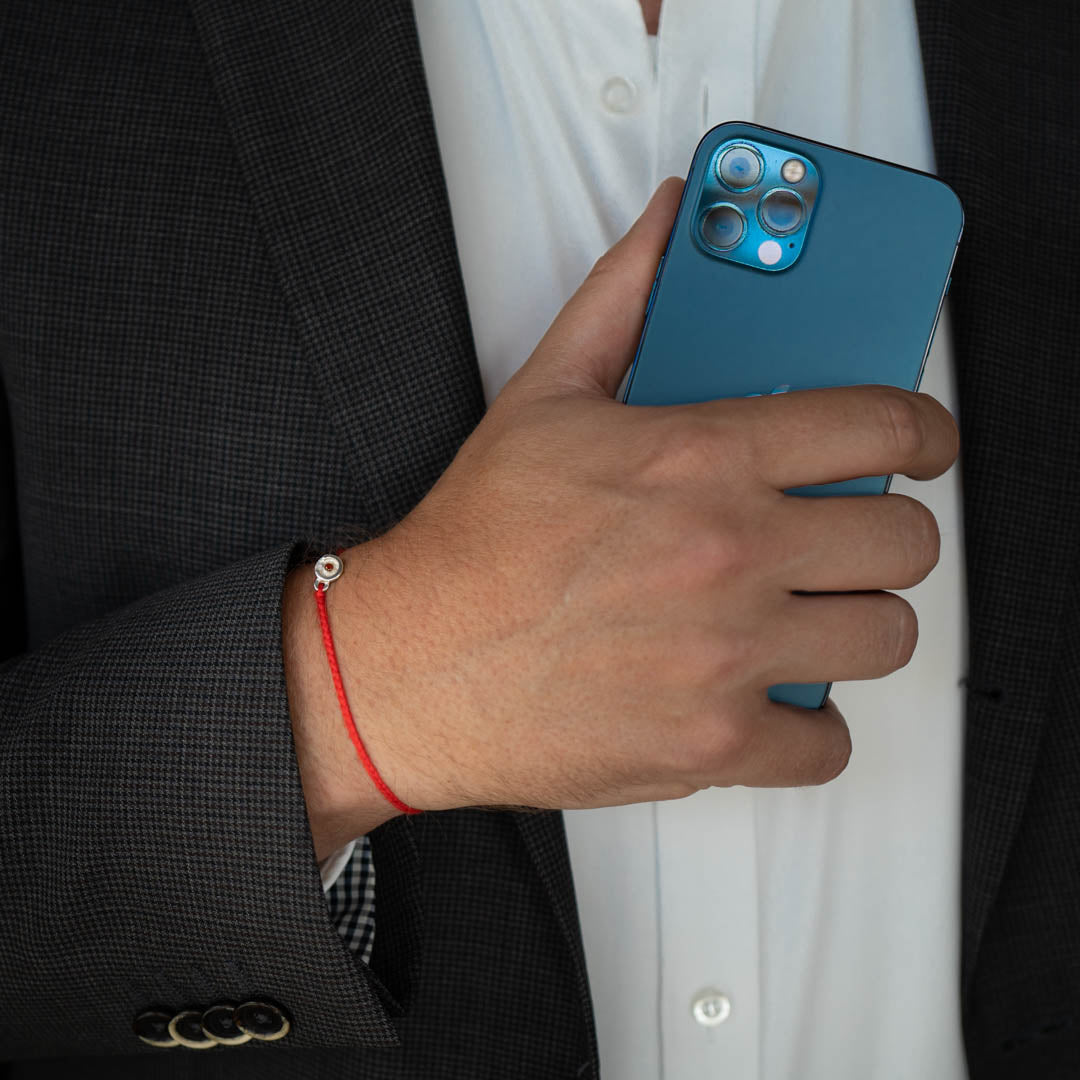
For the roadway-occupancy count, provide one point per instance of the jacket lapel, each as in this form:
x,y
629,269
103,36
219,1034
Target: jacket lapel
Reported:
x,y
1018,396
329,111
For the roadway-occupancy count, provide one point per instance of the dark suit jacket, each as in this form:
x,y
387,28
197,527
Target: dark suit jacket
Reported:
x,y
232,323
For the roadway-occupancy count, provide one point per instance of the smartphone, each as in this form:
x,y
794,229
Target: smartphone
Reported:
x,y
793,265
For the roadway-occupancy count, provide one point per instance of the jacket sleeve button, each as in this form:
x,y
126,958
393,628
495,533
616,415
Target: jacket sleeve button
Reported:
x,y
261,1020
186,1028
219,1025
153,1028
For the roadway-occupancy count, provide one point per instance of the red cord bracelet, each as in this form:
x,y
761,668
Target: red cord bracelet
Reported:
x,y
328,569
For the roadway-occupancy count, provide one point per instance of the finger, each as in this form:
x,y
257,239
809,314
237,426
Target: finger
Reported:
x,y
834,637
780,746
840,433
592,341
855,543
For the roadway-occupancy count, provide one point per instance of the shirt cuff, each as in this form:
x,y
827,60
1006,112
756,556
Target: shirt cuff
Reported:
x,y
330,868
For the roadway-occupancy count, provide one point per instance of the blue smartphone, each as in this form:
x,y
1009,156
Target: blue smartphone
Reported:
x,y
793,265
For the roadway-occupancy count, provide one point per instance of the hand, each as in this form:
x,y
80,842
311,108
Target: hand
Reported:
x,y
589,605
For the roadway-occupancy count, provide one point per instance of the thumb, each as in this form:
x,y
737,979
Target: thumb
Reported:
x,y
592,340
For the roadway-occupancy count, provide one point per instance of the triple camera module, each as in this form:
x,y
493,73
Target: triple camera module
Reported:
x,y
755,205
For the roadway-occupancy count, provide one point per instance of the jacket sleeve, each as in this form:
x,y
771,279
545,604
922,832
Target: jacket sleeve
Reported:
x,y
157,843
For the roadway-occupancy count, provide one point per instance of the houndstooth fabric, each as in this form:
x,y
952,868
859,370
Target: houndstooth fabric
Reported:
x,y
232,332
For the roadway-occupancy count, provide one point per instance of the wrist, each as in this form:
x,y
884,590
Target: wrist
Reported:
x,y
383,629
342,801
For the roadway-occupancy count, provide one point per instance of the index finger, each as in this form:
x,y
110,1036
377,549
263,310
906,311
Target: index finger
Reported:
x,y
841,433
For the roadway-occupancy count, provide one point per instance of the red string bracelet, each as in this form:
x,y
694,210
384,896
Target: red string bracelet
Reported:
x,y
328,569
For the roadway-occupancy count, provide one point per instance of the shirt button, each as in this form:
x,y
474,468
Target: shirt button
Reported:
x,y
618,94
711,1007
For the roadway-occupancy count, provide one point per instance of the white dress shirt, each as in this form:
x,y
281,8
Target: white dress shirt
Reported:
x,y
758,934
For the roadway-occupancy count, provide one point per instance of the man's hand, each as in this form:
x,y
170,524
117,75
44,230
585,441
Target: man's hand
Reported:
x,y
589,605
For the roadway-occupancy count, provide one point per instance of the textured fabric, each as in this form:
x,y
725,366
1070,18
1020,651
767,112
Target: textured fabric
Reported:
x,y
1002,82
352,901
766,894
231,319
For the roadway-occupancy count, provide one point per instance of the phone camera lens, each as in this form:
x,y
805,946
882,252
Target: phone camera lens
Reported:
x,y
723,226
781,211
739,167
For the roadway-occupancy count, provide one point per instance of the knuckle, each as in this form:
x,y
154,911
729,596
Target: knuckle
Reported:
x,y
704,440
686,446
672,453
714,744
903,426
732,662
680,449
706,662
721,554
727,665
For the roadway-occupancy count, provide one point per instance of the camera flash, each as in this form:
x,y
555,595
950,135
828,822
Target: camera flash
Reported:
x,y
793,170
769,252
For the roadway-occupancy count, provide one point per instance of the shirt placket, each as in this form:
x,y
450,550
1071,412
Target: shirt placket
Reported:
x,y
708,925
